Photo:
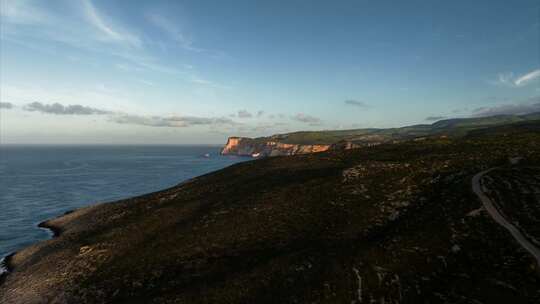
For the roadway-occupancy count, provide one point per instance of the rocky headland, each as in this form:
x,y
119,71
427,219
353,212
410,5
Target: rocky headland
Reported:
x,y
244,146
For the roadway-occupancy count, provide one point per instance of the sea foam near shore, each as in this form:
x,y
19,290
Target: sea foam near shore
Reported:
x,y
3,266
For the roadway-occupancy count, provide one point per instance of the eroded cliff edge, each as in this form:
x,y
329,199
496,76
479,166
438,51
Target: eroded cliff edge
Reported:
x,y
245,146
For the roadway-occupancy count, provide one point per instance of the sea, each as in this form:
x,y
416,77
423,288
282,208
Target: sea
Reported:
x,y
39,182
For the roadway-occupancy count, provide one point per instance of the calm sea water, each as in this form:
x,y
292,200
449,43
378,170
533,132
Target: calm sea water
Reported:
x,y
42,182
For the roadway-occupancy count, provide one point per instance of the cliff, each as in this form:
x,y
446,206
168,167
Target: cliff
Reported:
x,y
245,146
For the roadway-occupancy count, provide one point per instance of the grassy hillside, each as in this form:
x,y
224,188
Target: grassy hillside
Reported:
x,y
449,127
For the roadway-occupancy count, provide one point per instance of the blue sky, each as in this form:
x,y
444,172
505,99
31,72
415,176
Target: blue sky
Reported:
x,y
185,72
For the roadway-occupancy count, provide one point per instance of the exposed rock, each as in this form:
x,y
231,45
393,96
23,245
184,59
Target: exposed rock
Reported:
x,y
244,146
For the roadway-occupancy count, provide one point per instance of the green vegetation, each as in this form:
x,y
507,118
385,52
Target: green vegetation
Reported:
x,y
449,127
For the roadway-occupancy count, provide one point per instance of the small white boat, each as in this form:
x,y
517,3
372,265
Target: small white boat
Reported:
x,y
207,155
255,154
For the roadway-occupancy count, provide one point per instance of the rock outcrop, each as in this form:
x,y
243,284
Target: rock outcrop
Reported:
x,y
244,146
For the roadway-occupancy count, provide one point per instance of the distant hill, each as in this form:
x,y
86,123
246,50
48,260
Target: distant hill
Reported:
x,y
316,141
449,127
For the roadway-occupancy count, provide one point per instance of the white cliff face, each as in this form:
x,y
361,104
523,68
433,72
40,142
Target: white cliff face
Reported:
x,y
242,146
247,147
231,146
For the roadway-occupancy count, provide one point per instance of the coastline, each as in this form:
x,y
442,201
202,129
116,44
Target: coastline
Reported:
x,y
6,265
56,225
24,229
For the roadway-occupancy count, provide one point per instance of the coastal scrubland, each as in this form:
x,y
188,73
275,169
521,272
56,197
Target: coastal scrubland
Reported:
x,y
392,223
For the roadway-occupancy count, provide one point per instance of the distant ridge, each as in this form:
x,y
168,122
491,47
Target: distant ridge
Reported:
x,y
316,141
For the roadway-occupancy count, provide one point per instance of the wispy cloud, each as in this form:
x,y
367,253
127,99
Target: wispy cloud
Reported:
x,y
268,128
509,79
60,109
173,31
434,118
19,12
106,29
311,120
530,106
205,82
173,121
356,103
146,82
244,114
96,32
505,79
170,121
527,78
6,105
179,36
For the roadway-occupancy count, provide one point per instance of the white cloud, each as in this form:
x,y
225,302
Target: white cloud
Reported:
x,y
244,114
202,81
110,33
356,103
92,96
19,12
59,109
179,36
171,121
173,31
311,120
527,78
532,105
509,79
504,79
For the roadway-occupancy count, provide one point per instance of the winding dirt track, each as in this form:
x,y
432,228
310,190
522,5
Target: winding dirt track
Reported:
x,y
499,218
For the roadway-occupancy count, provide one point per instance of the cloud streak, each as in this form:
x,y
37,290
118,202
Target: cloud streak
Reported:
x,y
244,114
59,109
110,33
308,119
356,103
171,121
532,106
173,31
6,105
527,78
18,12
434,118
125,118
509,79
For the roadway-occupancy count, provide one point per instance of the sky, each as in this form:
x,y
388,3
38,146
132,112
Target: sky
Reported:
x,y
196,72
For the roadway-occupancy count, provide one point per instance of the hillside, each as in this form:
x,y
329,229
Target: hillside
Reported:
x,y
394,223
306,141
